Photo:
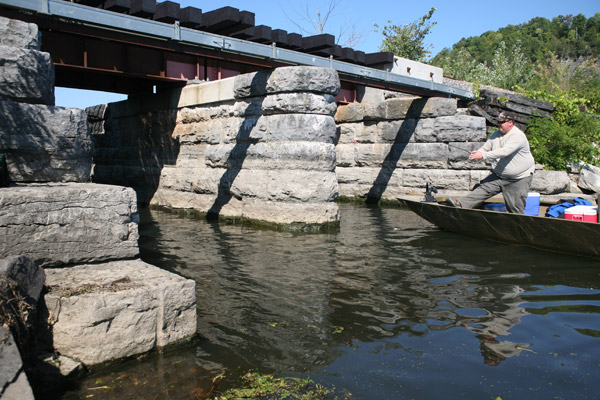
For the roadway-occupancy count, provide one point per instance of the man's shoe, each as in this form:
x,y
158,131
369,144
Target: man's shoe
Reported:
x,y
451,202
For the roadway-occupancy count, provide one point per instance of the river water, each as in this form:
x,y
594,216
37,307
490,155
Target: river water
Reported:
x,y
389,307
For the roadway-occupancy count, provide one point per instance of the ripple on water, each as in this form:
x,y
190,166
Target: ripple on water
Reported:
x,y
390,307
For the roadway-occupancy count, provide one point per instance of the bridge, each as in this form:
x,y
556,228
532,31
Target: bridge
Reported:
x,y
141,46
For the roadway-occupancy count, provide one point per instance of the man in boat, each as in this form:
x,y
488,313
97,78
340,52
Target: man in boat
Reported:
x,y
512,168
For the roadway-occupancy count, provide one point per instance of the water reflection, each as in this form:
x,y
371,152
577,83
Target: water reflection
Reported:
x,y
380,308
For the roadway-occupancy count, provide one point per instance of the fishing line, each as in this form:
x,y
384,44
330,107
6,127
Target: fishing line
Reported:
x,y
459,148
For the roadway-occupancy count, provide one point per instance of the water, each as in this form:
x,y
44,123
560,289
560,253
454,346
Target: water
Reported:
x,y
388,308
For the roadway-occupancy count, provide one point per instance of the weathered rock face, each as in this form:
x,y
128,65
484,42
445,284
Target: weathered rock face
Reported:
x,y
26,76
550,182
117,309
45,143
15,33
13,380
58,224
26,73
589,178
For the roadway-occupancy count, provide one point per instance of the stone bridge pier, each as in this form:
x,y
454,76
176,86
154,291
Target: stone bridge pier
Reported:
x,y
258,147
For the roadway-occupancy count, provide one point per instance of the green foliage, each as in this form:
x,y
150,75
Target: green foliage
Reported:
x,y
556,144
408,41
565,36
573,87
508,67
257,386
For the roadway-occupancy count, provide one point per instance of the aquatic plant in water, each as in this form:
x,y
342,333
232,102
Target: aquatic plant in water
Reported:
x,y
258,386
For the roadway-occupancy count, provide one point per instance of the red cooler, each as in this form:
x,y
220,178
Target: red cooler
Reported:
x,y
582,213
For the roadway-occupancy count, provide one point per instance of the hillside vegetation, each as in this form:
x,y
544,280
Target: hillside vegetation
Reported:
x,y
555,61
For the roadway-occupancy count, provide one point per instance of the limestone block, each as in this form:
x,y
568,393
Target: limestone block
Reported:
x,y
401,108
273,185
44,143
205,92
15,33
208,112
58,224
351,132
287,79
301,127
352,112
222,130
374,112
403,155
26,76
458,155
295,214
13,380
190,179
247,107
346,154
117,309
192,155
275,156
422,155
456,128
550,182
589,178
441,178
281,186
398,131
370,155
303,103
198,132
370,176
244,130
370,182
359,132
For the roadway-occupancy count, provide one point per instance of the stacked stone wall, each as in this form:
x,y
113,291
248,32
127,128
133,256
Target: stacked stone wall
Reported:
x,y
132,142
263,149
41,142
394,147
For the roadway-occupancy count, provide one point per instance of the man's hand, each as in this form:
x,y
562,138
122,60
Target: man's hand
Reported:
x,y
475,155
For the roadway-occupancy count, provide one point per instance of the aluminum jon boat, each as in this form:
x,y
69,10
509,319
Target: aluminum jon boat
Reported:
x,y
552,234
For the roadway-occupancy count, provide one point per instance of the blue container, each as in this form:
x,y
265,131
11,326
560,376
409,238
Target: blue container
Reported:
x,y
532,205
500,207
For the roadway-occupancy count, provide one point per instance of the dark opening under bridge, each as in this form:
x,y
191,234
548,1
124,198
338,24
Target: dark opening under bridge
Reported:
x,y
137,46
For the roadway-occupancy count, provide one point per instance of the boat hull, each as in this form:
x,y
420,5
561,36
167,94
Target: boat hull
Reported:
x,y
553,234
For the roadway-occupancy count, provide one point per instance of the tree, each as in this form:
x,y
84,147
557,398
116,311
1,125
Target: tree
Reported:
x,y
408,40
309,23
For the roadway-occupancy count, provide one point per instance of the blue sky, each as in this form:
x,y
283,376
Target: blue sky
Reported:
x,y
455,20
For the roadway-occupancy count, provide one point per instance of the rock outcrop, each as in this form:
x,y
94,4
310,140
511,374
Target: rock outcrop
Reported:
x,y
121,308
58,224
589,178
45,143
